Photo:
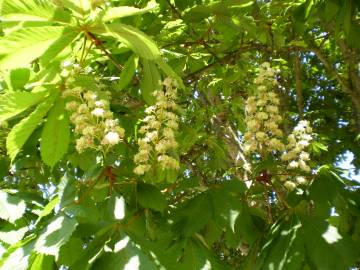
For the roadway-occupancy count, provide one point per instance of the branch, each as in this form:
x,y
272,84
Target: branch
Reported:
x,y
231,56
332,71
99,44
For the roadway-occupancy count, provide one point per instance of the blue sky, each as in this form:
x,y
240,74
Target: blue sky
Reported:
x,y
346,165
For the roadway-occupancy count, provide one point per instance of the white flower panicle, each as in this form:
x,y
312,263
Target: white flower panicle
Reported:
x,y
93,120
296,155
263,134
298,141
158,130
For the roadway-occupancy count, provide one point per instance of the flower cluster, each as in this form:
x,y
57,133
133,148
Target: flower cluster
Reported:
x,y
93,120
296,155
263,134
161,123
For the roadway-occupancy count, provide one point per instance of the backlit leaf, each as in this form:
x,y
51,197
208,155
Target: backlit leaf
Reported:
x,y
21,132
55,135
11,207
134,39
11,104
56,234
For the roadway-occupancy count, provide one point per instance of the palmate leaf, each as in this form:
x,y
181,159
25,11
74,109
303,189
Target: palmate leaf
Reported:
x,y
68,35
31,10
128,72
55,136
20,133
13,103
295,243
134,39
19,77
56,234
17,256
150,197
150,82
11,207
125,11
197,257
42,262
22,46
284,248
81,7
127,256
193,216
327,248
10,234
170,72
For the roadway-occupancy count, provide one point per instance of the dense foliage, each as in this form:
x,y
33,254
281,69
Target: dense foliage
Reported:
x,y
179,134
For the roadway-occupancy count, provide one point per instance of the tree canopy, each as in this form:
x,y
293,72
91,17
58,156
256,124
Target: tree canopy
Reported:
x,y
179,134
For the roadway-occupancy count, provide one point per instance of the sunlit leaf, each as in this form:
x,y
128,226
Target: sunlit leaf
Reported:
x,y
11,207
56,234
55,136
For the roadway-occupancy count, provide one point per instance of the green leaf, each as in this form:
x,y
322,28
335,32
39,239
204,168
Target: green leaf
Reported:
x,y
11,235
134,39
31,10
67,190
19,77
48,208
55,136
170,72
11,207
17,257
126,256
128,72
150,82
67,37
22,46
125,11
194,215
56,234
13,103
347,15
286,250
82,7
151,197
71,251
199,12
245,227
197,257
21,132
325,246
42,262
93,250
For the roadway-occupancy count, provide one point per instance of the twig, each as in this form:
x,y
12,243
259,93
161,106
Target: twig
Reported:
x,y
99,44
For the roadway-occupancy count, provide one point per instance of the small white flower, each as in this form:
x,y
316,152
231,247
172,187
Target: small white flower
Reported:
x,y
98,112
293,164
72,106
100,103
304,156
262,116
301,180
290,185
141,169
111,123
111,138
303,143
90,96
150,109
261,136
